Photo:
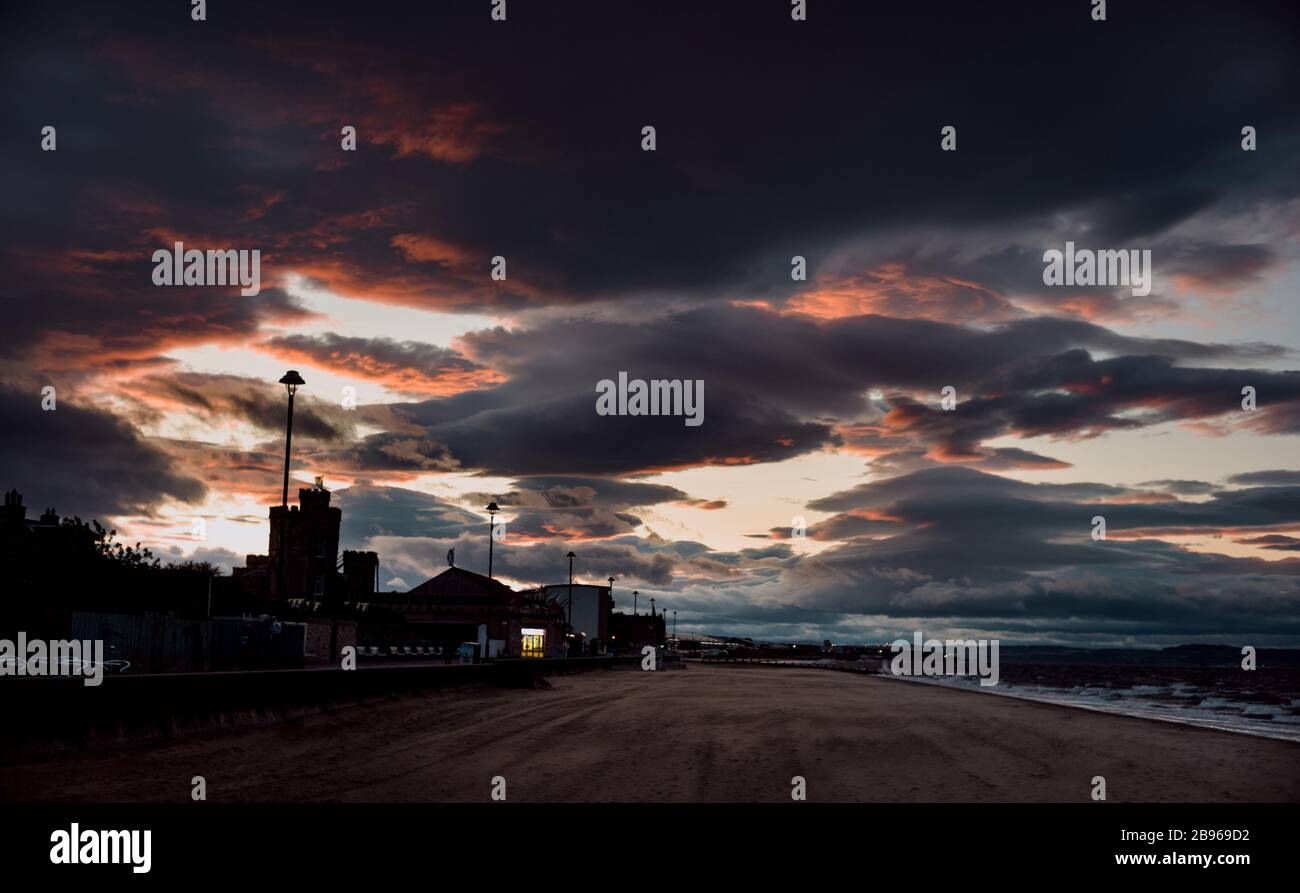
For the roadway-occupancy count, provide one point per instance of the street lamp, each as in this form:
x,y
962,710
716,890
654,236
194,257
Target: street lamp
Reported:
x,y
291,381
676,644
571,556
636,633
611,606
492,510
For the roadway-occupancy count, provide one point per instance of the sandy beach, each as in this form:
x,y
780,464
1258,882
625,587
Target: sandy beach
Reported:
x,y
709,733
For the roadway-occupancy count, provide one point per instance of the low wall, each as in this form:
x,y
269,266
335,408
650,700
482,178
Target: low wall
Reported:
x,y
320,632
59,713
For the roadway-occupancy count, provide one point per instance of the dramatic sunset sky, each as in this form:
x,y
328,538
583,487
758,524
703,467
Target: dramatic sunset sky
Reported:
x,y
822,398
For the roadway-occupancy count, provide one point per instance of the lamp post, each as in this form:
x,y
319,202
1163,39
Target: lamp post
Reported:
x,y
571,556
636,632
654,627
676,645
291,381
492,510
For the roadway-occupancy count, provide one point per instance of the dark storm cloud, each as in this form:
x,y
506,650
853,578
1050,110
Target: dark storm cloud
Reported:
x,y
1072,394
956,484
1273,541
864,438
414,559
1154,383
1184,488
414,548
410,367
370,510
541,163
1273,477
570,492
543,421
775,385
220,397
67,318
578,507
565,435
841,527
84,461
1004,266
400,518
1220,267
982,550
1008,458
573,523
995,504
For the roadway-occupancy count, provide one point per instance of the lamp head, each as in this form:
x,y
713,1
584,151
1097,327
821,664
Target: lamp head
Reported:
x,y
493,508
292,380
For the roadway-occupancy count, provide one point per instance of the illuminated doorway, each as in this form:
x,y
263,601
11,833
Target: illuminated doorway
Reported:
x,y
534,642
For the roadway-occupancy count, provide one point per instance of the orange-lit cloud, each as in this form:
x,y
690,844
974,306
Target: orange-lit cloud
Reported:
x,y
893,289
403,366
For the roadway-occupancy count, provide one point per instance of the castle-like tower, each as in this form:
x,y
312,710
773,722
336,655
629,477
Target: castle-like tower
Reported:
x,y
311,533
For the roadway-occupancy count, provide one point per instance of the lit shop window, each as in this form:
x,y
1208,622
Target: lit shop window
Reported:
x,y
534,642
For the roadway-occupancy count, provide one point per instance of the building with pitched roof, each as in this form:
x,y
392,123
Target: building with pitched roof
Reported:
x,y
460,606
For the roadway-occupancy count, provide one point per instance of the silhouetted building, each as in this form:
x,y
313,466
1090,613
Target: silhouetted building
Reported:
x,y
253,580
461,606
311,545
14,518
65,577
311,552
35,553
633,630
50,567
589,617
360,575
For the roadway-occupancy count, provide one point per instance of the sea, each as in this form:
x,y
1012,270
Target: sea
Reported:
x,y
1263,702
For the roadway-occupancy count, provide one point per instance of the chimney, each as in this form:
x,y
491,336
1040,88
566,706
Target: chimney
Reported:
x,y
14,510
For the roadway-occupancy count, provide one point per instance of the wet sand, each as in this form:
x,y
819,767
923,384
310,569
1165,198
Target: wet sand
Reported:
x,y
708,733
